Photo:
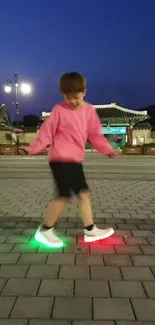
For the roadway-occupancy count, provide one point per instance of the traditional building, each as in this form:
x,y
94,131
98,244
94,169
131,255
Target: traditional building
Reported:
x,y
121,125
124,126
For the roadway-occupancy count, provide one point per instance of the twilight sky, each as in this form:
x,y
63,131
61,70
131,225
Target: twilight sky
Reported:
x,y
112,42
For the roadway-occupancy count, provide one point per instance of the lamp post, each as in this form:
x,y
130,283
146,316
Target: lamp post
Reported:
x,y
18,86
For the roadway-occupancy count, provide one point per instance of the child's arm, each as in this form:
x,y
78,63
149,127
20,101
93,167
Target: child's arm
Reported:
x,y
46,134
95,137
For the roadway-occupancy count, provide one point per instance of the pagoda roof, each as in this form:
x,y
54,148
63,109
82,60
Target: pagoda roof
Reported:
x,y
5,123
115,114
143,125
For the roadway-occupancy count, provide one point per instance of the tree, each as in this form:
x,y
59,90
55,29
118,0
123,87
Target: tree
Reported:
x,y
31,120
151,112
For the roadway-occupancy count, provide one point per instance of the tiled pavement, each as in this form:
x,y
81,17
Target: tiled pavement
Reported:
x,y
105,283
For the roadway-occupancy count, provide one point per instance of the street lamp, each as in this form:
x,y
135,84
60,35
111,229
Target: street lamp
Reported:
x,y
16,85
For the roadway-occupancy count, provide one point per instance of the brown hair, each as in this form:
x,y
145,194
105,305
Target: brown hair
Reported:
x,y
72,82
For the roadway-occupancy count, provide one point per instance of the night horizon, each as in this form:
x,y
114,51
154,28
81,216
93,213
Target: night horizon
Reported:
x,y
113,46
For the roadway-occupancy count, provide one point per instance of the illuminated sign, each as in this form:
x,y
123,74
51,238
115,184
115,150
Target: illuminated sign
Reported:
x,y
113,130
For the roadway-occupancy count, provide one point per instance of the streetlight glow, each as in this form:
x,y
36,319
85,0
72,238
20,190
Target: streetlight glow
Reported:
x,y
7,89
25,88
18,87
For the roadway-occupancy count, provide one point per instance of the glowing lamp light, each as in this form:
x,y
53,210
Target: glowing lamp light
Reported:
x,y
7,89
25,88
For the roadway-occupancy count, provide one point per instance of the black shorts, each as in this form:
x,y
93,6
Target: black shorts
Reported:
x,y
69,178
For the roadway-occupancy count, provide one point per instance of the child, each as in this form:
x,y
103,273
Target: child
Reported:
x,y
66,132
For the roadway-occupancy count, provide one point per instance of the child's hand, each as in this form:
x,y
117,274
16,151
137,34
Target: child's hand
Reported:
x,y
114,154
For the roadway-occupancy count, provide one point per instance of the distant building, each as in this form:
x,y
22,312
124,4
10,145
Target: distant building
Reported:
x,y
122,125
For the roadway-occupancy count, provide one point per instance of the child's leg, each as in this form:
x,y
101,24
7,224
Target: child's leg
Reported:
x,y
92,233
85,208
46,233
81,189
53,211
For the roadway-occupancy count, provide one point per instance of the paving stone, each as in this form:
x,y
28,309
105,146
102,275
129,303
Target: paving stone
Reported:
x,y
6,304
11,232
146,227
134,220
115,220
93,322
74,272
6,248
14,271
123,216
151,240
150,288
127,289
2,239
100,249
116,260
133,323
13,322
137,273
56,288
43,271
76,248
29,232
136,241
127,226
112,308
9,258
2,283
91,288
146,260
18,239
123,233
36,307
45,249
47,322
129,250
20,219
153,270
8,225
89,259
148,250
24,248
105,273
74,232
113,240
65,225
143,233
61,259
144,309
31,258
21,287
72,308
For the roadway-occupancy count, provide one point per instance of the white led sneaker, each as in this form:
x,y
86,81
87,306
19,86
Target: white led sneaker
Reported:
x,y
97,234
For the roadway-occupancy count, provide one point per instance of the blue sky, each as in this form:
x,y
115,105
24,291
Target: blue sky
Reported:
x,y
112,42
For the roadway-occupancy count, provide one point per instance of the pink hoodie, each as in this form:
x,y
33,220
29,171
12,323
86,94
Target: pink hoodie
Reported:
x,y
66,132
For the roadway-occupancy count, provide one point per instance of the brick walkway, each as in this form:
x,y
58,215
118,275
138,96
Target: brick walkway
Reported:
x,y
105,283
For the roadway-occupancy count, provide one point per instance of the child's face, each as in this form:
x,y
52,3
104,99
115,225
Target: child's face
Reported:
x,y
75,99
